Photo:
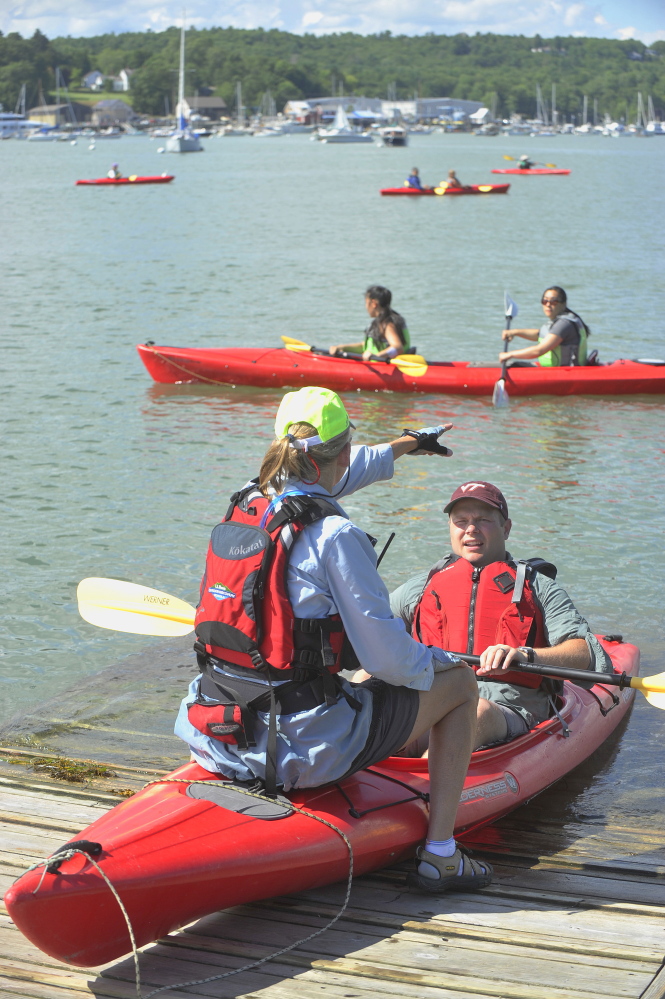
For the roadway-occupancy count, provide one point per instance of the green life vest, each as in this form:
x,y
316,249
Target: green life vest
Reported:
x,y
553,357
376,345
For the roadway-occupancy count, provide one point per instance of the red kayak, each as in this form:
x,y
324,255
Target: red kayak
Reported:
x,y
177,851
534,171
115,181
473,189
279,368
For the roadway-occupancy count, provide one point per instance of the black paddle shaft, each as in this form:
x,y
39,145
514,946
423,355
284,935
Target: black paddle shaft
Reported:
x,y
560,672
349,355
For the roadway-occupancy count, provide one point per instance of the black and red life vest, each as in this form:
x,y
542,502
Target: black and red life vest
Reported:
x,y
466,609
246,626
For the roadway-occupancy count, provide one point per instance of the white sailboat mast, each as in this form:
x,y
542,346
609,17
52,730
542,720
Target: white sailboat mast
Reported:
x,y
181,77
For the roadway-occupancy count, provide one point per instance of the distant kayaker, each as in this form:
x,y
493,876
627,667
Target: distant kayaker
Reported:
x,y
525,163
561,340
452,180
325,609
114,172
467,603
387,335
413,180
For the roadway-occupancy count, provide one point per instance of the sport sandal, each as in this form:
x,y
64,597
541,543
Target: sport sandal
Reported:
x,y
474,874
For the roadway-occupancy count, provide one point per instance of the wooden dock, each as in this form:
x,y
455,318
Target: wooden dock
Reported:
x,y
573,914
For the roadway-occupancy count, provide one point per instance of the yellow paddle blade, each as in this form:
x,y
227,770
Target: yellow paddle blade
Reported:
x,y
132,177
408,359
658,700
653,684
552,166
305,347
511,158
290,339
407,367
485,187
139,610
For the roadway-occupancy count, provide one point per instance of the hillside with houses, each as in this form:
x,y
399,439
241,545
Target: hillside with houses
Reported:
x,y
499,71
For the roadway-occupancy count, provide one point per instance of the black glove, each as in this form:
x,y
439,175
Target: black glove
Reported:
x,y
428,441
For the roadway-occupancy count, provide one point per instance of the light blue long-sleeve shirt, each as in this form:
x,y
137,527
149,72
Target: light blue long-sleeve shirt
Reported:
x,y
332,570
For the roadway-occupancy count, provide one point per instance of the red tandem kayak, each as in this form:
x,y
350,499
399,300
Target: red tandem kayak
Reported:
x,y
115,181
535,171
473,189
178,851
277,367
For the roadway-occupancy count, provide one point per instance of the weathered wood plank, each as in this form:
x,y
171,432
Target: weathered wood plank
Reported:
x,y
413,951
57,789
656,987
391,975
311,914
29,805
582,885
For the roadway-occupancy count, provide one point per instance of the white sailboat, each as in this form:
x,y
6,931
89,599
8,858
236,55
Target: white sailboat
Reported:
x,y
183,140
341,131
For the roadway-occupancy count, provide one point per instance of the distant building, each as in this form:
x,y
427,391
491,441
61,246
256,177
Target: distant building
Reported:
x,y
93,80
121,82
421,109
112,112
208,107
60,114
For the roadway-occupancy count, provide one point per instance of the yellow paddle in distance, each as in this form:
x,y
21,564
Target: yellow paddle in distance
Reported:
x,y
513,159
140,610
408,364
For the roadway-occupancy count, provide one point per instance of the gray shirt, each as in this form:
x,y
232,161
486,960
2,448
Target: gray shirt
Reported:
x,y
562,621
566,327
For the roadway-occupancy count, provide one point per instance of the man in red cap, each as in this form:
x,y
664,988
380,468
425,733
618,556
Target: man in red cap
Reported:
x,y
479,600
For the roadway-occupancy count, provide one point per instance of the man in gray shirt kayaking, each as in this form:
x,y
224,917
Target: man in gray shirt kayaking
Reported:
x,y
480,600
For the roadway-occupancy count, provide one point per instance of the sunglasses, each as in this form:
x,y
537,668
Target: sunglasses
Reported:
x,y
550,301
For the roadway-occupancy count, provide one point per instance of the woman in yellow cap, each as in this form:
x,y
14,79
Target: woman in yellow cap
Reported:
x,y
291,596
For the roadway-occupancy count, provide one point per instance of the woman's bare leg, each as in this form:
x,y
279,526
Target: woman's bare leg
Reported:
x,y
449,709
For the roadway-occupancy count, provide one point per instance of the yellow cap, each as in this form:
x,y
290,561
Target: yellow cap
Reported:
x,y
320,407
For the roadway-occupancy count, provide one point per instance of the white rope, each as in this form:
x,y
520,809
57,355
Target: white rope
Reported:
x,y
67,854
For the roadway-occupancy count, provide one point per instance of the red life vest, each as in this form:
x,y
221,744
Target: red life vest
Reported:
x,y
466,609
245,623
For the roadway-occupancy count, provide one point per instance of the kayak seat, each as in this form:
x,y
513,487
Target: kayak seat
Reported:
x,y
592,359
410,350
521,364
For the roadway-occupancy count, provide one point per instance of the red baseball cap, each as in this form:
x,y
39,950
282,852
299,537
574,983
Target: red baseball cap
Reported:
x,y
483,491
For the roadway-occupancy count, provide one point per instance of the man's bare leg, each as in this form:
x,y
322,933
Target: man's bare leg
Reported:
x,y
492,724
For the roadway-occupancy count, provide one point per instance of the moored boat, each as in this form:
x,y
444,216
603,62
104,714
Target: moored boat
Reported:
x,y
164,178
277,367
470,189
534,171
181,848
183,140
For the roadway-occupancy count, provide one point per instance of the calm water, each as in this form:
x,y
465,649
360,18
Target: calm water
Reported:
x,y
110,475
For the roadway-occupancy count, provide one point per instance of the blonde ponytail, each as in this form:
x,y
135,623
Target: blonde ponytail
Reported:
x,y
282,461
